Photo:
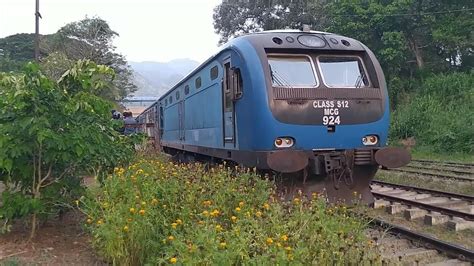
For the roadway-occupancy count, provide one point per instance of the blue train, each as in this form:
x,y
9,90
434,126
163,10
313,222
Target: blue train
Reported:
x,y
310,105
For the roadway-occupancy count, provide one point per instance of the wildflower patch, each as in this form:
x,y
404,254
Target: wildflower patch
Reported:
x,y
158,212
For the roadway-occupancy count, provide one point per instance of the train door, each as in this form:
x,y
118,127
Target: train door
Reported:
x,y
159,126
181,120
228,106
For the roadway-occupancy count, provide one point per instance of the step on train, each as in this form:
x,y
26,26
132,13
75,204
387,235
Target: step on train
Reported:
x,y
308,105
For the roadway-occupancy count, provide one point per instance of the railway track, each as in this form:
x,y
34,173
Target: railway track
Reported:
x,y
435,208
445,170
445,163
449,204
407,247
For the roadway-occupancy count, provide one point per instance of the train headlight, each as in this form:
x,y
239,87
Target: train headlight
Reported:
x,y
284,142
370,140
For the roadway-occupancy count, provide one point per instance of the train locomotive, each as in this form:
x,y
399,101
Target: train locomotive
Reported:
x,y
307,104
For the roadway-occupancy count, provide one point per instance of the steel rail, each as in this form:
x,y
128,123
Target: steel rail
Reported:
x,y
445,163
456,171
464,197
448,248
426,206
431,174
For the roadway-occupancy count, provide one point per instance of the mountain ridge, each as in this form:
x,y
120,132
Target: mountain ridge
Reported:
x,y
155,78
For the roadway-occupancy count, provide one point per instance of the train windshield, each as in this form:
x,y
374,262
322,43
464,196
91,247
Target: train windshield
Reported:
x,y
343,71
292,71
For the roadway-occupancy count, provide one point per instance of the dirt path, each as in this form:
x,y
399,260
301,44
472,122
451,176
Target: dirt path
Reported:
x,y
58,242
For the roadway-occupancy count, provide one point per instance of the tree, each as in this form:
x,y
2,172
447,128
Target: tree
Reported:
x,y
92,38
406,35
234,18
51,134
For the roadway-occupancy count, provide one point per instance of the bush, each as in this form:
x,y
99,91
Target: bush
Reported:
x,y
51,133
439,115
155,212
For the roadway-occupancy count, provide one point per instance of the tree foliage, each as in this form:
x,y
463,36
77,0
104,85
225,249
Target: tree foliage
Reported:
x,y
407,35
90,38
52,133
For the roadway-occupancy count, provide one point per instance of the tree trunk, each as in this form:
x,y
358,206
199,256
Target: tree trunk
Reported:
x,y
417,52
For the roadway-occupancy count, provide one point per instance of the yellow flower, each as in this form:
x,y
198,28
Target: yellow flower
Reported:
x,y
154,201
99,222
218,228
241,204
266,206
206,202
171,238
258,214
142,212
137,197
125,228
129,220
143,203
269,241
132,210
288,249
284,238
278,244
233,218
178,221
237,209
174,225
201,222
215,213
89,221
223,245
205,213
314,195
77,202
296,200
173,260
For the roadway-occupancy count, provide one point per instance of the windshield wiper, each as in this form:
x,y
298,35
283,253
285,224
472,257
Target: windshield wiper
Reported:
x,y
360,80
278,79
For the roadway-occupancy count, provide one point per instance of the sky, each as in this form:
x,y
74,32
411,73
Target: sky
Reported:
x,y
150,30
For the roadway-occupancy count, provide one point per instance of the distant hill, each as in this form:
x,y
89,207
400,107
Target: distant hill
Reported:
x,y
155,78
152,78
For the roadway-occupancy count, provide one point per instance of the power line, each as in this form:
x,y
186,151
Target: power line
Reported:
x,y
419,14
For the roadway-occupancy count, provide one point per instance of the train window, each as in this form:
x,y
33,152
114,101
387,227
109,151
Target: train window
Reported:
x,y
214,73
186,89
166,102
343,71
292,71
177,95
197,83
171,99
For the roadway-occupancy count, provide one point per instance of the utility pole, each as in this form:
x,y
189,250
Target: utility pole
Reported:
x,y
37,41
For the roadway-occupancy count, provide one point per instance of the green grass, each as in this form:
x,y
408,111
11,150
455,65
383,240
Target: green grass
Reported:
x,y
425,153
447,185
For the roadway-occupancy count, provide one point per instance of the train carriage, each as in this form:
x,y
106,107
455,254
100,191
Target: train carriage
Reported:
x,y
304,103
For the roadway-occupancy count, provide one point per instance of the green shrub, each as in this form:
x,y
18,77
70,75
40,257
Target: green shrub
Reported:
x,y
52,133
440,115
154,212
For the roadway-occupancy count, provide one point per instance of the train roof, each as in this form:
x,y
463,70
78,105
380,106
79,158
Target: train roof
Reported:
x,y
339,42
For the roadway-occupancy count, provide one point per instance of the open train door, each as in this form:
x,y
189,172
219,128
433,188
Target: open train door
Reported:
x,y
181,120
160,125
228,106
